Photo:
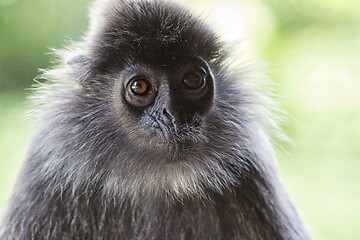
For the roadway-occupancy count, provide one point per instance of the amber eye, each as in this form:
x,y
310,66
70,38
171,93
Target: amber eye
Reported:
x,y
193,81
140,92
140,86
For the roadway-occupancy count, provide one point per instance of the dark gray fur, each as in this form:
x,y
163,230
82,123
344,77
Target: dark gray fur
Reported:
x,y
100,169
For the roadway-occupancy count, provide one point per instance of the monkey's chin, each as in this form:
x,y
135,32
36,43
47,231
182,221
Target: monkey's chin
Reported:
x,y
176,141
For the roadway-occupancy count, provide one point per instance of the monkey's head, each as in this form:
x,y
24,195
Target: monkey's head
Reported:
x,y
152,106
158,56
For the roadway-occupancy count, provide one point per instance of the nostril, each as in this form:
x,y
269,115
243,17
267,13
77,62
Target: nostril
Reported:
x,y
167,116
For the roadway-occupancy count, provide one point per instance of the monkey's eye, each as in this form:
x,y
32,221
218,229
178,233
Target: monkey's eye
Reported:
x,y
194,84
140,86
193,81
140,92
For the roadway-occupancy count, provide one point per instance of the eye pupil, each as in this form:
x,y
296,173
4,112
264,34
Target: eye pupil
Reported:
x,y
139,87
193,81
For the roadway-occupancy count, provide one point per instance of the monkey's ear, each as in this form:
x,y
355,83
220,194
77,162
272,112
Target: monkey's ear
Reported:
x,y
80,65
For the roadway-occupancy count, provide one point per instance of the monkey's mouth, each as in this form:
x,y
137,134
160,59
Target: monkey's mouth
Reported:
x,y
173,132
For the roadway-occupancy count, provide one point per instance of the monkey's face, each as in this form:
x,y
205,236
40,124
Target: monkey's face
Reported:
x,y
165,106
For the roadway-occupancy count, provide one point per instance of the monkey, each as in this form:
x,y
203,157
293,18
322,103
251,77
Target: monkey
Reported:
x,y
148,131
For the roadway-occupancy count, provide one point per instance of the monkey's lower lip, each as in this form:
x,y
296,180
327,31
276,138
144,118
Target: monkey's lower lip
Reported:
x,y
170,136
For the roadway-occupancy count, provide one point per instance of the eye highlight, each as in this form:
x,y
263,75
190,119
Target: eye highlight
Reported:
x,y
140,92
140,86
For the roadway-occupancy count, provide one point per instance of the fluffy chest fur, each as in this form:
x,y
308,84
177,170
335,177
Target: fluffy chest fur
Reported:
x,y
243,213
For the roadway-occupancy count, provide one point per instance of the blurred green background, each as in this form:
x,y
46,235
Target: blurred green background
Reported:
x,y
313,48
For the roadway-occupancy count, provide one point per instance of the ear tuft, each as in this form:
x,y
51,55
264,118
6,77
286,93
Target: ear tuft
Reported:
x,y
80,66
78,59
